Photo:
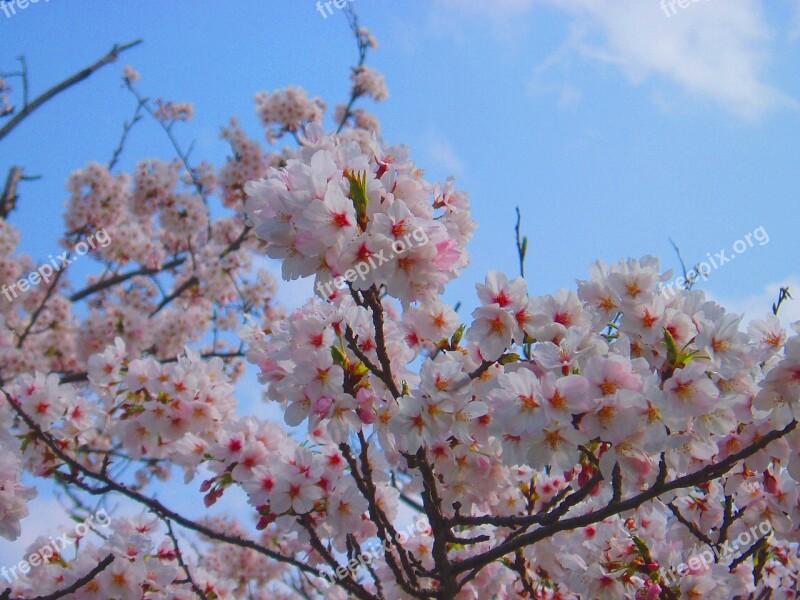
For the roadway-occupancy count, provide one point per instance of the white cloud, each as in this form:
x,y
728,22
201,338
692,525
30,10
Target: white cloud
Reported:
x,y
713,49
499,10
501,15
442,154
551,76
794,26
757,306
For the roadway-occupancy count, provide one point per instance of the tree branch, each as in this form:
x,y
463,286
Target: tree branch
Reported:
x,y
123,277
112,56
9,198
109,485
101,566
660,488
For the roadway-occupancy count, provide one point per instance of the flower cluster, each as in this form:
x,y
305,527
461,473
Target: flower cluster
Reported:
x,y
14,496
286,110
170,111
611,382
338,203
370,82
130,74
142,568
579,444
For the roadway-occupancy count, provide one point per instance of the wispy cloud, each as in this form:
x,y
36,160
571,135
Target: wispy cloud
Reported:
x,y
718,50
757,306
551,76
501,15
794,27
442,154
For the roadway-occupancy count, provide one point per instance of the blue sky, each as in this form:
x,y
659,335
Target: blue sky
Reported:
x,y
612,125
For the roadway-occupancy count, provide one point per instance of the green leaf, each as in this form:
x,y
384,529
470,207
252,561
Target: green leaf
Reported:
x,y
339,357
642,547
512,357
457,336
358,194
672,347
359,370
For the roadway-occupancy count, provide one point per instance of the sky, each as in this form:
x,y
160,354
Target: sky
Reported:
x,y
615,125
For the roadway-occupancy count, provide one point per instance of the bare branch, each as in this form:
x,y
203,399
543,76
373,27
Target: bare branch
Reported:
x,y
127,126
112,56
8,199
37,313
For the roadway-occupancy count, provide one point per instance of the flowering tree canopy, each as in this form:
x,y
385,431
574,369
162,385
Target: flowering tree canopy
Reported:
x,y
604,442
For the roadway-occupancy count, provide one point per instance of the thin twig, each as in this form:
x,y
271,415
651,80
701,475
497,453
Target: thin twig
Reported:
x,y
783,295
181,562
522,244
127,126
37,313
355,93
688,282
24,74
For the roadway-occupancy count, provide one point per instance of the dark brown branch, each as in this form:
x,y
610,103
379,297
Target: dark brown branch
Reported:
x,y
373,300
40,308
750,552
109,485
101,566
660,488
355,93
192,281
181,562
522,244
691,526
352,342
111,57
123,277
348,582
728,519
386,532
9,198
